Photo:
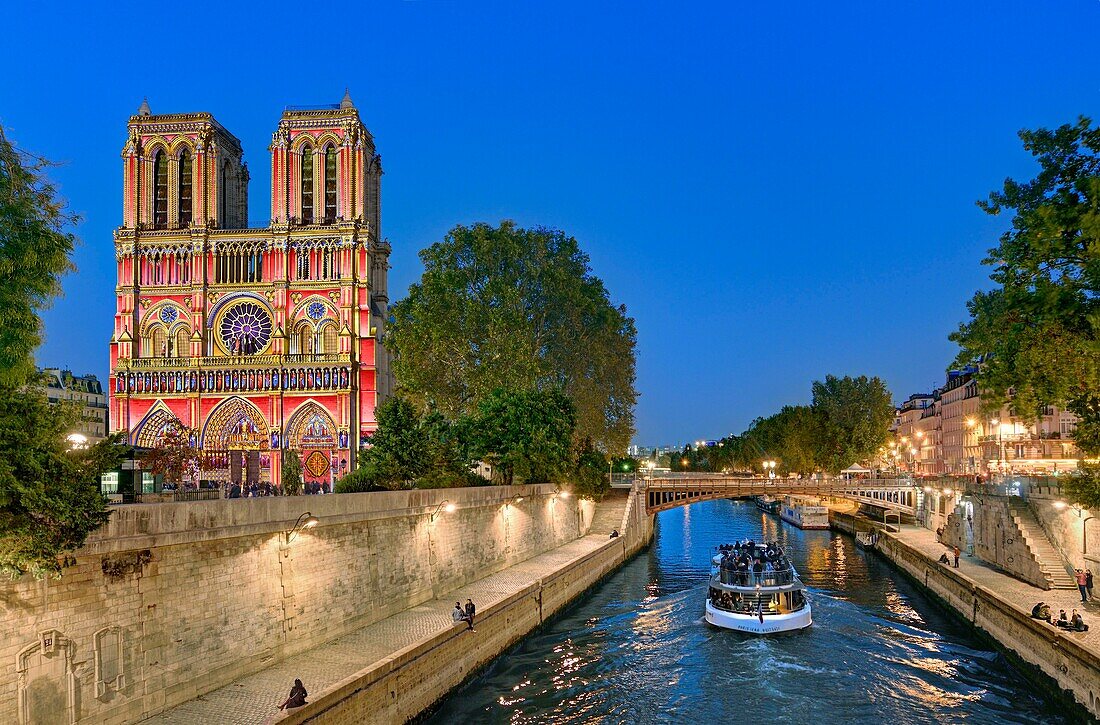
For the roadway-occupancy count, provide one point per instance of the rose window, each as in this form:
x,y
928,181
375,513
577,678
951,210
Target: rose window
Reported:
x,y
316,310
169,314
245,328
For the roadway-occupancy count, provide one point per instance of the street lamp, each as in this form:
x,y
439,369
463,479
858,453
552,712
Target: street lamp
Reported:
x,y
305,521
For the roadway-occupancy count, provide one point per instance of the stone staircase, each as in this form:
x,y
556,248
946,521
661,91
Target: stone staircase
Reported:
x,y
609,512
1050,561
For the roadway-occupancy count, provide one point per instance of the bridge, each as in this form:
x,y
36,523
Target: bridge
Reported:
x,y
670,490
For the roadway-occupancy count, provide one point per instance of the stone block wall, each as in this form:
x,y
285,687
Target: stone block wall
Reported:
x,y
1069,529
169,601
402,687
999,541
1051,651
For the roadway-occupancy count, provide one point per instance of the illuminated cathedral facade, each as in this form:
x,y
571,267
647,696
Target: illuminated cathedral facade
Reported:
x,y
262,342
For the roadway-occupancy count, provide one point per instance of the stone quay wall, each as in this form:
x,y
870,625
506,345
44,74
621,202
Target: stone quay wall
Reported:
x,y
411,681
169,601
1073,667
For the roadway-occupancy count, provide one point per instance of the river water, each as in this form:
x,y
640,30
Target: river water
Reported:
x,y
636,649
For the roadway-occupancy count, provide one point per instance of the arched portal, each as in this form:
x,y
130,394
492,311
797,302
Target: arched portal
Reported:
x,y
311,433
151,429
235,442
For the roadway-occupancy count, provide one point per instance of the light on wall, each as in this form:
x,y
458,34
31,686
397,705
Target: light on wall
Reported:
x,y
444,506
305,521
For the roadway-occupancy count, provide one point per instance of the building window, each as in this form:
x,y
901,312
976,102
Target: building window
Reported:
x,y
302,256
330,185
223,217
185,189
307,185
160,191
329,339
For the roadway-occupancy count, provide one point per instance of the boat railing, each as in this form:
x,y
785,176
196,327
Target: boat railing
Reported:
x,y
733,577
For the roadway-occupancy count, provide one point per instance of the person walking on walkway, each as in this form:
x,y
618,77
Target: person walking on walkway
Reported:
x,y
1082,585
470,610
297,696
957,552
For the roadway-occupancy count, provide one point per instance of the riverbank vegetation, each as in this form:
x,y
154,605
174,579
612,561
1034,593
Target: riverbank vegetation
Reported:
x,y
512,365
847,422
1035,336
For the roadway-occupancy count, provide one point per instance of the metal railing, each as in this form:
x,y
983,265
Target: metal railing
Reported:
x,y
228,361
733,577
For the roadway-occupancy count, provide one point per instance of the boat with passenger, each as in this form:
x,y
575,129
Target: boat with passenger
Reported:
x,y
805,512
754,588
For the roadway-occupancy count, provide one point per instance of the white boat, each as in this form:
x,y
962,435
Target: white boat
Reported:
x,y
866,539
757,602
804,512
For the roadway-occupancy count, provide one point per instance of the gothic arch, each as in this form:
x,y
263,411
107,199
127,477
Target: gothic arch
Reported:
x,y
179,144
328,138
229,299
328,338
151,428
301,140
235,423
299,434
302,308
152,315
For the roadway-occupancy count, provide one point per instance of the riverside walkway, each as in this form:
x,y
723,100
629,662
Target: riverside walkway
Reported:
x,y
255,699
1022,595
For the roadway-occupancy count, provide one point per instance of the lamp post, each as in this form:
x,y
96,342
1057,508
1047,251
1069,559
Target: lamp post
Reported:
x,y
996,423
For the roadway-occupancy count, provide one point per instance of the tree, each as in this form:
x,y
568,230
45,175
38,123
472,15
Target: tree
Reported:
x,y
49,495
524,434
505,308
589,475
851,419
34,255
291,476
174,457
399,449
1035,335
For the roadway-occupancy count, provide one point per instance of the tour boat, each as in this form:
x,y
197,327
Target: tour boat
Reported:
x,y
767,504
764,602
804,512
866,539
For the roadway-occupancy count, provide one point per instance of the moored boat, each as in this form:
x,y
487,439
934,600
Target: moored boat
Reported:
x,y
754,588
767,504
805,512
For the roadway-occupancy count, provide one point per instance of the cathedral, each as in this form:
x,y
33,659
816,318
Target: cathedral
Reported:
x,y
263,342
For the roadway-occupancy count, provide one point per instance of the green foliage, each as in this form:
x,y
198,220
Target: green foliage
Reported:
x,y
851,419
1036,333
398,454
590,473
1083,486
361,480
505,308
524,434
291,476
173,457
49,495
34,255
847,422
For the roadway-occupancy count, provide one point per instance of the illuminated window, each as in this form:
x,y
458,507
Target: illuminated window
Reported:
x,y
307,185
330,184
160,190
185,188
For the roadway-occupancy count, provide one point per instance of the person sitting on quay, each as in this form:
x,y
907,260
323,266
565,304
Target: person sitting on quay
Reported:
x,y
943,558
1077,622
297,696
1063,620
459,615
1041,611
614,534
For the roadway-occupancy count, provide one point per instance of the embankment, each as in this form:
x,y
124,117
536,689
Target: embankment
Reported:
x,y
1074,668
170,601
409,682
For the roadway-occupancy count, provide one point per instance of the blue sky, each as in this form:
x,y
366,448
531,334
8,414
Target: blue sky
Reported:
x,y
776,191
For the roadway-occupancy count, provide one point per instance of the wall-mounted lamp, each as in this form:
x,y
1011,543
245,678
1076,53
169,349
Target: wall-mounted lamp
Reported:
x,y
446,506
947,492
1060,505
562,494
305,521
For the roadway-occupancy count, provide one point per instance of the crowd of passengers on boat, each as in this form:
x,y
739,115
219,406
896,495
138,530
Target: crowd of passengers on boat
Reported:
x,y
752,565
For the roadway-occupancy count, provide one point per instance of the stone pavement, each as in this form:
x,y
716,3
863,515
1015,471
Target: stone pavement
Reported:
x,y
255,699
1019,593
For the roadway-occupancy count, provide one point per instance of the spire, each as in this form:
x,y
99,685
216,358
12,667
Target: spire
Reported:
x,y
346,101
143,109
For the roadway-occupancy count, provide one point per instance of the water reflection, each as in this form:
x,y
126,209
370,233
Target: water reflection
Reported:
x,y
637,650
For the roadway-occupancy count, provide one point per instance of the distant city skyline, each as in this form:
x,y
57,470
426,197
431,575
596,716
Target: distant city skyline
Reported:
x,y
776,193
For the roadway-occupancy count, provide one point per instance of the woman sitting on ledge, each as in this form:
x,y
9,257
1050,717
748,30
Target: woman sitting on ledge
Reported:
x,y
297,696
